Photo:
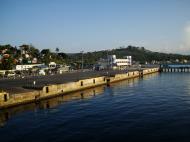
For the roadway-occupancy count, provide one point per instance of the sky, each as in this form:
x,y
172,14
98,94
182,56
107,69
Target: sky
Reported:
x,y
93,25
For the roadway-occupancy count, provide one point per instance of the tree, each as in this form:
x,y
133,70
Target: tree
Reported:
x,y
34,52
45,52
57,50
25,47
6,64
63,55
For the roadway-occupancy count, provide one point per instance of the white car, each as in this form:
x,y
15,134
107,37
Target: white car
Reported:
x,y
42,72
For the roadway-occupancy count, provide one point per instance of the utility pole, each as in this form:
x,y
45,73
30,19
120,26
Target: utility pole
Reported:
x,y
111,61
107,60
82,59
21,50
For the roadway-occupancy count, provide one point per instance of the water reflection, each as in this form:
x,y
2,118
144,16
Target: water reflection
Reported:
x,y
155,108
131,82
150,76
6,114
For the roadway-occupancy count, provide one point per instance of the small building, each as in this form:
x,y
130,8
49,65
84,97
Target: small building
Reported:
x,y
102,64
34,60
114,63
63,69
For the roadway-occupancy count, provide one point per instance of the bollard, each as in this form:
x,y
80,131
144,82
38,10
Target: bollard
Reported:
x,y
108,82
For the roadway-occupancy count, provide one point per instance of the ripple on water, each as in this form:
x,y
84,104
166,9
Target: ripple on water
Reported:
x,y
156,108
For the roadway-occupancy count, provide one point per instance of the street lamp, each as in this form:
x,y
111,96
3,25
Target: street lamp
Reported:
x,y
82,59
108,62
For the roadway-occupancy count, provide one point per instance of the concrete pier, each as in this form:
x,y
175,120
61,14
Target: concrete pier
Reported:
x,y
175,69
52,90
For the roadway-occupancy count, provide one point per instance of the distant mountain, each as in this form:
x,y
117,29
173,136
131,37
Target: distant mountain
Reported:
x,y
139,54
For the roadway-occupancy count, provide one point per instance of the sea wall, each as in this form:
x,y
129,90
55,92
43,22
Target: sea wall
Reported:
x,y
20,98
151,70
119,77
49,91
52,90
55,89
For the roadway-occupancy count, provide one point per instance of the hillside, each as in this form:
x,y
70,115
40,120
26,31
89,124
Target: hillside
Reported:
x,y
139,54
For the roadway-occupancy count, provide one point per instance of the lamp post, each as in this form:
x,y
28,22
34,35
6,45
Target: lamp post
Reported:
x,y
108,60
82,59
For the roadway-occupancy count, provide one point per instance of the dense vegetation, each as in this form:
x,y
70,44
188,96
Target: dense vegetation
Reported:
x,y
10,56
139,54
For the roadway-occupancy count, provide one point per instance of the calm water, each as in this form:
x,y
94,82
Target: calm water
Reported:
x,y
155,108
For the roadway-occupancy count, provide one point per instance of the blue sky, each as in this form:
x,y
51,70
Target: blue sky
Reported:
x,y
92,25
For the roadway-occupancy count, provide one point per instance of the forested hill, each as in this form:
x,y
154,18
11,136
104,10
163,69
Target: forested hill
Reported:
x,y
138,54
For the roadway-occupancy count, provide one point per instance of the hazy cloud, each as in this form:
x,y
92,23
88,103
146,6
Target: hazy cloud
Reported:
x,y
181,47
185,45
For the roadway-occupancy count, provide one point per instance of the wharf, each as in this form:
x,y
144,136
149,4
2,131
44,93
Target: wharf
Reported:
x,y
13,86
51,86
175,68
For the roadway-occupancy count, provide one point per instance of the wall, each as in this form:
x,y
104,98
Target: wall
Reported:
x,y
128,75
72,86
4,96
50,91
19,98
151,70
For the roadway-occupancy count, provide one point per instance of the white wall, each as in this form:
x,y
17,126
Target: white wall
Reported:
x,y
26,67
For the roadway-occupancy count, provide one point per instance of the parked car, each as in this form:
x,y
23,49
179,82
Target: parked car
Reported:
x,y
10,74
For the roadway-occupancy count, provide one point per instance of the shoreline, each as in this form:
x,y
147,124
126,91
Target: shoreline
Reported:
x,y
52,90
